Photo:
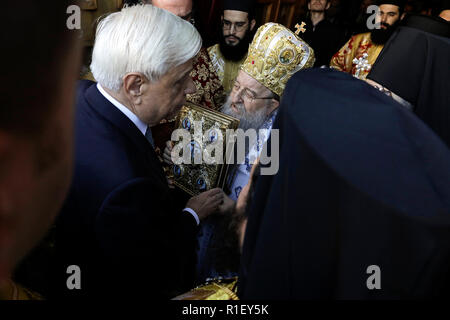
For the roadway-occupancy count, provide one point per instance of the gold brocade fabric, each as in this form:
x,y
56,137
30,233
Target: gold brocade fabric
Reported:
x,y
209,92
27,294
19,292
355,48
225,69
216,290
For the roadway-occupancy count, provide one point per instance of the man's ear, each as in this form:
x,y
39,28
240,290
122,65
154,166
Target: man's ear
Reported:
x,y
252,24
403,15
328,5
274,104
132,84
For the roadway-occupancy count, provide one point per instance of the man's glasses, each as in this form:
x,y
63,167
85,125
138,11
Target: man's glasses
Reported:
x,y
246,94
238,26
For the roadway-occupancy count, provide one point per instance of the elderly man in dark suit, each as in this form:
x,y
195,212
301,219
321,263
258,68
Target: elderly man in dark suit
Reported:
x,y
120,227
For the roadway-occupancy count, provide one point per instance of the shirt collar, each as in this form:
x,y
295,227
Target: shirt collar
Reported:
x,y
142,126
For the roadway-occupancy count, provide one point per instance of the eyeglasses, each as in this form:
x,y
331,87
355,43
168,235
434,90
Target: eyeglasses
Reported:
x,y
247,94
238,26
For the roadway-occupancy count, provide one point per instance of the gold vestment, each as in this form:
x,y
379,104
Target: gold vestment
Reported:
x,y
355,49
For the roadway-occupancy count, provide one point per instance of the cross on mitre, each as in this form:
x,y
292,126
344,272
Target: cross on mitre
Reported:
x,y
300,28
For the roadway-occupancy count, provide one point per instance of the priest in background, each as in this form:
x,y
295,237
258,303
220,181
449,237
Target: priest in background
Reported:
x,y
359,54
238,25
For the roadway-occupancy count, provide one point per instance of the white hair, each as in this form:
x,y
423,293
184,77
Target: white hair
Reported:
x,y
144,39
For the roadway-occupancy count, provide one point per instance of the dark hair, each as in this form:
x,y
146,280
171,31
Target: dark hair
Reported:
x,y
35,39
251,15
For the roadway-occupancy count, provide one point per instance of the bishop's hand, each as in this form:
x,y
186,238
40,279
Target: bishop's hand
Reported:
x,y
228,205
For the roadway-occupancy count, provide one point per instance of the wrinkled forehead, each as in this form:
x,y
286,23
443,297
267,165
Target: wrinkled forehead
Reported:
x,y
249,82
235,16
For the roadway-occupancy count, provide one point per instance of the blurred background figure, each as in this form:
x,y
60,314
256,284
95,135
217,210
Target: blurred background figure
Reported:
x,y
325,37
420,7
36,131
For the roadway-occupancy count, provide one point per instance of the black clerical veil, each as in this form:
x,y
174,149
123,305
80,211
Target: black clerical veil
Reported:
x,y
362,183
239,5
398,3
415,64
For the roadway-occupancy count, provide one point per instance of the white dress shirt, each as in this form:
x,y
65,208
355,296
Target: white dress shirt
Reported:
x,y
141,125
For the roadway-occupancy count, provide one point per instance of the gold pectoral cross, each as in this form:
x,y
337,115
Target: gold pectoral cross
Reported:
x,y
300,28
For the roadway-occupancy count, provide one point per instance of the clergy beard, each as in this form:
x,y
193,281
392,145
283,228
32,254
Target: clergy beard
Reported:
x,y
237,52
247,120
381,36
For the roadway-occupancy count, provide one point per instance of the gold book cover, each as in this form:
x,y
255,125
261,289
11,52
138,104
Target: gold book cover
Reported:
x,y
208,130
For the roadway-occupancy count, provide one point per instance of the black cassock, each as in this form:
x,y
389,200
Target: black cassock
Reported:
x,y
362,182
415,64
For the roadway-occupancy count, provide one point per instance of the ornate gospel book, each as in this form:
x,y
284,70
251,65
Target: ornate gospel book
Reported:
x,y
205,142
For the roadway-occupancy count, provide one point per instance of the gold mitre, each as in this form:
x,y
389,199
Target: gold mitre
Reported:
x,y
275,54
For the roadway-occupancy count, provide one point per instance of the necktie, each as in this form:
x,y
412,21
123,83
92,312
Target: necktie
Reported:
x,y
148,135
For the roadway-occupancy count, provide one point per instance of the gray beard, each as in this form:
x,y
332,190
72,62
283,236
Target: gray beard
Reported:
x,y
247,120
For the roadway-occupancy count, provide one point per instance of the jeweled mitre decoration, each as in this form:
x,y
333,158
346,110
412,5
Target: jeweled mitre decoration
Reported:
x,y
275,54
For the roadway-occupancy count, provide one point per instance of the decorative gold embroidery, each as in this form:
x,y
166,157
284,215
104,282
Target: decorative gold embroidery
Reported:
x,y
346,59
275,54
225,69
209,88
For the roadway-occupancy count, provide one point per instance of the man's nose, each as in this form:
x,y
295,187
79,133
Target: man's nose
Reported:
x,y
236,97
233,29
190,87
383,18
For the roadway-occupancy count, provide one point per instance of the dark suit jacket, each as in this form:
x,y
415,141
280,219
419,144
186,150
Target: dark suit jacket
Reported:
x,y
119,223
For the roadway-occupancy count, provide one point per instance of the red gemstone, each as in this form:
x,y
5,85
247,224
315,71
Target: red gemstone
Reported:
x,y
253,62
